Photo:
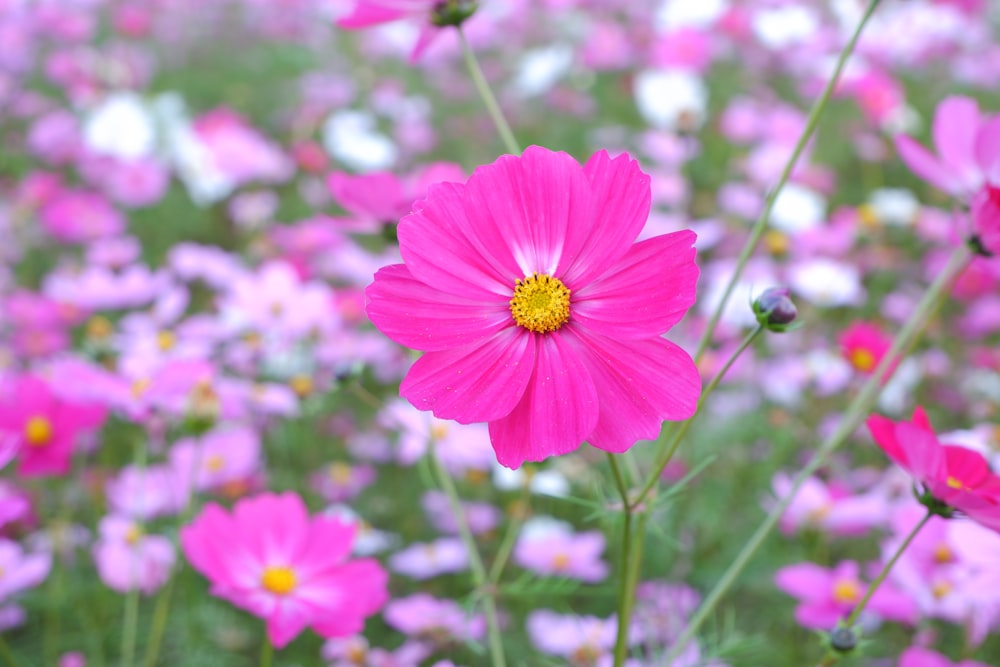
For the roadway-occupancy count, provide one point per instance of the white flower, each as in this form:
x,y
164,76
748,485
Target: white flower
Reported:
x,y
674,14
671,99
540,69
351,137
797,209
783,27
825,282
121,126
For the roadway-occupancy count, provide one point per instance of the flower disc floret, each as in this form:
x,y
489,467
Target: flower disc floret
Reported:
x,y
540,303
279,580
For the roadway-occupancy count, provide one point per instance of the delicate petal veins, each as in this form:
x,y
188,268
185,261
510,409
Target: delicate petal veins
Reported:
x,y
645,293
620,200
418,316
474,383
558,409
640,384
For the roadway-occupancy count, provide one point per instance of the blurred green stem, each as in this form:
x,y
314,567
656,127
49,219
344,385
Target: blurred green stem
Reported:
x,y
479,576
685,425
266,652
761,224
510,537
490,100
855,414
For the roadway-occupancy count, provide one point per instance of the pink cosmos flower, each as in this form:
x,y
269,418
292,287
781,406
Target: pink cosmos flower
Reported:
x,y
537,312
958,477
76,217
20,571
864,345
46,425
826,596
922,657
368,13
270,558
561,553
129,559
423,615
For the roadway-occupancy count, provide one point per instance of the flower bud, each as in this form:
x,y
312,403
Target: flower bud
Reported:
x,y
843,640
774,309
453,12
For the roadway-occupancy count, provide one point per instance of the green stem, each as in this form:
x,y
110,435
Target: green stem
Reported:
x,y
761,224
266,652
8,657
624,591
129,626
159,622
685,425
510,537
856,411
856,612
619,481
492,106
475,561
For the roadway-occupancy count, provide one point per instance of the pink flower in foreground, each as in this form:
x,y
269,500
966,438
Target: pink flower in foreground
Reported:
x,y
958,477
270,558
537,312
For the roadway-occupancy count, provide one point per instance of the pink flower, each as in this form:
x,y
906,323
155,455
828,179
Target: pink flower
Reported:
x,y
77,217
958,477
562,553
864,345
127,558
46,425
537,312
270,558
424,615
368,13
21,571
826,596
922,657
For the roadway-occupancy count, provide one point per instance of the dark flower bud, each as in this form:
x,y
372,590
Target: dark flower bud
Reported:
x,y
843,640
774,309
453,12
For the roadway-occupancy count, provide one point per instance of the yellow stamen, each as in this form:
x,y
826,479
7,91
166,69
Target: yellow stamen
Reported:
x,y
438,431
776,242
339,472
941,589
278,580
943,554
38,431
868,216
846,592
140,386
214,463
133,535
540,303
560,561
302,385
476,476
166,340
862,359
99,328
954,483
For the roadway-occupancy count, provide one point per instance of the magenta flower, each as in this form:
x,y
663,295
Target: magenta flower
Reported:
x,y
46,425
537,312
922,657
864,345
952,475
827,596
270,558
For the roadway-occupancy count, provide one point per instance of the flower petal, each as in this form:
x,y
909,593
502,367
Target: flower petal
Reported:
x,y
435,247
924,164
640,383
648,291
558,409
473,383
526,209
619,200
416,315
956,122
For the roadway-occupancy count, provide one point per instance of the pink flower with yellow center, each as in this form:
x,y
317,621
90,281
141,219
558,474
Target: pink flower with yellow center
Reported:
x,y
864,345
537,310
272,559
45,424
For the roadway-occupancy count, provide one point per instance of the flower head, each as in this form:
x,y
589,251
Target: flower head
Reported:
x,y
536,310
270,558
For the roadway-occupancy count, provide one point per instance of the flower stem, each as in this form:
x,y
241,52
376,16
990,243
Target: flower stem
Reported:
x,y
856,612
616,472
475,561
761,224
492,106
856,412
680,432
266,652
507,543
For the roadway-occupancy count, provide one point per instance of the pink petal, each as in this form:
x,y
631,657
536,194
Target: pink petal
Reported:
x,y
526,209
356,591
288,619
330,542
821,615
434,243
966,465
806,581
648,291
924,455
473,383
274,526
416,315
558,409
883,432
620,200
924,164
922,657
988,150
640,383
366,14
956,122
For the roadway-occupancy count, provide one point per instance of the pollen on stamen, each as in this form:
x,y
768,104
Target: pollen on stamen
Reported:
x,y
540,303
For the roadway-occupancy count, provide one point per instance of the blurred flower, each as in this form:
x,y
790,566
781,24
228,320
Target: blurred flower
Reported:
x,y
527,276
424,616
270,558
21,571
425,560
128,559
864,345
916,656
562,553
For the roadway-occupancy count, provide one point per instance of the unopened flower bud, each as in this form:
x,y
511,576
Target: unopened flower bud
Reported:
x,y
774,309
843,640
453,12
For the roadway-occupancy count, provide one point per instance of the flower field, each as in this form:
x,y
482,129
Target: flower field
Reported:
x,y
527,333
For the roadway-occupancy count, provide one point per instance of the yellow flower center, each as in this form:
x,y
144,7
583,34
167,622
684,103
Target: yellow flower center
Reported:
x,y
99,328
140,386
214,463
38,431
133,535
943,554
941,589
278,580
846,592
863,360
776,242
540,303
340,472
302,385
560,561
166,340
954,483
